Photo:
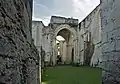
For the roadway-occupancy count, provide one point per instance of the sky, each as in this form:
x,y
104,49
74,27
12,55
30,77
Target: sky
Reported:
x,y
78,9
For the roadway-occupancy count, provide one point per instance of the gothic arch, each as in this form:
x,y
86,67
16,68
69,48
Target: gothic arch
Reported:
x,y
74,33
65,26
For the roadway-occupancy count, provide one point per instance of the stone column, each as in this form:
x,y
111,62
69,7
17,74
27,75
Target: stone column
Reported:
x,y
51,48
69,53
77,47
54,52
75,50
110,15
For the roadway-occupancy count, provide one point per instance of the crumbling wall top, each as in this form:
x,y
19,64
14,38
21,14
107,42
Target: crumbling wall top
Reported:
x,y
61,20
38,22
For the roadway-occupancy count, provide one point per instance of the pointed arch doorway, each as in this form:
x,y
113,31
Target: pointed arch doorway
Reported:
x,y
64,51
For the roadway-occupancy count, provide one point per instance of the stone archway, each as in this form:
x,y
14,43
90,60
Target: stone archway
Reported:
x,y
70,47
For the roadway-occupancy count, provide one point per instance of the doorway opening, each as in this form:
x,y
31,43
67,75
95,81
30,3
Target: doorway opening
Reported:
x,y
64,47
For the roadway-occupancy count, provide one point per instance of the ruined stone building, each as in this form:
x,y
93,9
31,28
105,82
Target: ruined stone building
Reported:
x,y
82,40
95,41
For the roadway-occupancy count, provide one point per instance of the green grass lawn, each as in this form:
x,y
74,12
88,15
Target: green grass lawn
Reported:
x,y
72,75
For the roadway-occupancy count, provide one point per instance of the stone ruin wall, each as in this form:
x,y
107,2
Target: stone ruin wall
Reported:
x,y
42,39
90,38
110,15
58,19
19,58
37,35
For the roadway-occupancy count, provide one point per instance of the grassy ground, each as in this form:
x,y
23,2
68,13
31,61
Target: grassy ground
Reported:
x,y
72,75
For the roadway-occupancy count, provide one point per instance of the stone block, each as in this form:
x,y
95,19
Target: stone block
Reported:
x,y
104,37
110,78
117,45
116,56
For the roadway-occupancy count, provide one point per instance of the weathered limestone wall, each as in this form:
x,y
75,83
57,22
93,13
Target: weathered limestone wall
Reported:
x,y
47,44
37,27
90,37
42,39
37,35
110,15
18,55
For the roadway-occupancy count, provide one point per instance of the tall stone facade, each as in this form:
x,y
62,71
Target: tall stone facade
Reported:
x,y
110,16
90,39
66,27
19,58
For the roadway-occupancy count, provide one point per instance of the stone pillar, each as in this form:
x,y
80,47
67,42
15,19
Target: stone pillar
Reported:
x,y
64,52
69,53
78,48
81,47
54,52
51,48
19,58
75,50
110,15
